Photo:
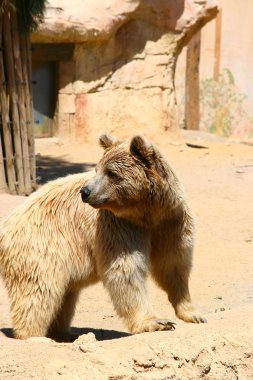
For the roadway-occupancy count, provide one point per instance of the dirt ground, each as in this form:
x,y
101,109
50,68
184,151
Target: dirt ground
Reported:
x,y
218,179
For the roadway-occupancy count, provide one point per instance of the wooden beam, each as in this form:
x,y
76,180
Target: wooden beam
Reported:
x,y
12,89
20,90
6,123
217,47
27,75
192,83
52,52
3,184
17,157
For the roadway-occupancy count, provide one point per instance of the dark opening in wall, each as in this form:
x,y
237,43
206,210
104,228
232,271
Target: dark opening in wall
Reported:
x,y
46,58
44,97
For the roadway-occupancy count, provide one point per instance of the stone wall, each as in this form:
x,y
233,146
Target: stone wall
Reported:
x,y
121,76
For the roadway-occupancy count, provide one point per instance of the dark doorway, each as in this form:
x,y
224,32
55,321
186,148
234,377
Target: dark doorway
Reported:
x,y
46,58
44,97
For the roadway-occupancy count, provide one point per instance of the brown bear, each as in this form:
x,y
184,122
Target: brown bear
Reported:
x,y
131,218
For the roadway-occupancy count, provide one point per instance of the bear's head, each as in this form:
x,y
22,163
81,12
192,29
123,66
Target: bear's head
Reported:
x,y
132,181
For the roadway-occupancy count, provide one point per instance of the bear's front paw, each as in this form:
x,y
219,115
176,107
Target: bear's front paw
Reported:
x,y
195,317
153,325
167,325
187,313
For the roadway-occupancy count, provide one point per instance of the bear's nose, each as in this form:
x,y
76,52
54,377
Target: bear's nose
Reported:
x,y
85,192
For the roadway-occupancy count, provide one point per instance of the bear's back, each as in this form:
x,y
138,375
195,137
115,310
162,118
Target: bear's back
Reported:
x,y
51,211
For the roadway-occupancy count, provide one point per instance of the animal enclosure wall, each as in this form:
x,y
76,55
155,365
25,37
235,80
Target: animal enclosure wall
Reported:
x,y
120,76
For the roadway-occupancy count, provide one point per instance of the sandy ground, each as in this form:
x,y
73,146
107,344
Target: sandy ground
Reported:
x,y
218,178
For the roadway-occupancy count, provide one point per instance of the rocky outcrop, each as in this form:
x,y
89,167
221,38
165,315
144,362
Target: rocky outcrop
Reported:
x,y
122,73
96,20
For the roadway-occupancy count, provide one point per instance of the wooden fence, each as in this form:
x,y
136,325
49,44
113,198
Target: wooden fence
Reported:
x,y
17,156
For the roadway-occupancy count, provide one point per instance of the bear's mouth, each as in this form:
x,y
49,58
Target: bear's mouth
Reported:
x,y
96,203
103,204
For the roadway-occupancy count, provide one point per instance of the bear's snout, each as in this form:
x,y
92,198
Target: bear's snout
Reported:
x,y
85,192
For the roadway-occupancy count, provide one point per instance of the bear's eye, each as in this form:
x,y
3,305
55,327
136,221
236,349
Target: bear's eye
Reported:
x,y
111,174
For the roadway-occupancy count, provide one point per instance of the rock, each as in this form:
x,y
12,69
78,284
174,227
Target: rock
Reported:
x,y
122,71
83,20
100,19
86,343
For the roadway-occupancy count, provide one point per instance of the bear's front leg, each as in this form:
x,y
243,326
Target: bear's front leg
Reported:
x,y
125,280
122,256
171,262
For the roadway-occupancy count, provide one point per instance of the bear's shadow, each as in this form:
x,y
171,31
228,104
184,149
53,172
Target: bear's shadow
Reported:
x,y
100,334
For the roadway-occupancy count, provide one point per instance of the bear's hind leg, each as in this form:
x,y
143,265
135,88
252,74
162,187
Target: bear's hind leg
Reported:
x,y
60,327
33,310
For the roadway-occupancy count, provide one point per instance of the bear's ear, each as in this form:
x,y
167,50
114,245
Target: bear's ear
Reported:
x,y
148,155
107,141
140,150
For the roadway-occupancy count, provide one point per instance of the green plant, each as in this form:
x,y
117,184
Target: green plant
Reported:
x,y
222,107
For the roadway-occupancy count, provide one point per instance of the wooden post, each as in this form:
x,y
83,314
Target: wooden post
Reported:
x,y
27,75
217,47
6,123
20,88
13,101
3,184
192,83
17,157
32,137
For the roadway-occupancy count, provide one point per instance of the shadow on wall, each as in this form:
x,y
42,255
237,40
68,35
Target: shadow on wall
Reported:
x,y
49,168
151,23
162,12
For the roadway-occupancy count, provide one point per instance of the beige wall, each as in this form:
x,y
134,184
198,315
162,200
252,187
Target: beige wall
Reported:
x,y
236,49
236,43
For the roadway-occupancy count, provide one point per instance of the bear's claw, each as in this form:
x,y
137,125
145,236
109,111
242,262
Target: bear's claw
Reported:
x,y
168,325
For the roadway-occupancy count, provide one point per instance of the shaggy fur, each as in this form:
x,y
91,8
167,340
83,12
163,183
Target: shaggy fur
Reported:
x,y
133,219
